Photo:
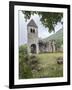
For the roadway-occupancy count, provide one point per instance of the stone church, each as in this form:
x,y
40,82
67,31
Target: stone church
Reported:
x,y
34,44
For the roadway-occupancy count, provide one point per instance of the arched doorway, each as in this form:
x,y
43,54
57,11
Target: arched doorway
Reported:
x,y
33,48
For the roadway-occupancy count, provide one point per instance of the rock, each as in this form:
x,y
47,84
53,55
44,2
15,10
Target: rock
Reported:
x,y
60,60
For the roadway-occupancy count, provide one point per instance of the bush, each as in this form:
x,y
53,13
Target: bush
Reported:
x,y
27,63
23,49
24,71
34,62
33,59
24,68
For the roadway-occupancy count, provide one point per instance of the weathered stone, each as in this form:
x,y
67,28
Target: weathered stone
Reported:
x,y
33,41
32,36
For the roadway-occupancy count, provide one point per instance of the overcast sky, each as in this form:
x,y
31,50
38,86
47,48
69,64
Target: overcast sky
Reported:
x,y
42,31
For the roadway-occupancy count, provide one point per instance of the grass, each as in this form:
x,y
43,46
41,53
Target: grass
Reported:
x,y
48,66
40,65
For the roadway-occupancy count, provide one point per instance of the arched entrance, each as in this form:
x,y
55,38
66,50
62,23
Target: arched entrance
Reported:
x,y
33,48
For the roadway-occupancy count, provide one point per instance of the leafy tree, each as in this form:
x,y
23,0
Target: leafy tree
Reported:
x,y
48,19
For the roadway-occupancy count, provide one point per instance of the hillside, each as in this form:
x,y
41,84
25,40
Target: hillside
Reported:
x,y
56,36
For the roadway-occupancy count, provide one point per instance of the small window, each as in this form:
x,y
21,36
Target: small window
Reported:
x,y
32,30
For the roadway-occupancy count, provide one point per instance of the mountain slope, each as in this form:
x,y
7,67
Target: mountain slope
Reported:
x,y
57,36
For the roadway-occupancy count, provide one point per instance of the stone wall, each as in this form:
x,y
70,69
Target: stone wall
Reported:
x,y
48,46
32,39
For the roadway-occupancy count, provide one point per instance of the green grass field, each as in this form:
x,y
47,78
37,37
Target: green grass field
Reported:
x,y
48,66
40,65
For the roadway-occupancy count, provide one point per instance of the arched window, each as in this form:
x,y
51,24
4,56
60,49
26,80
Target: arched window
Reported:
x,y
33,48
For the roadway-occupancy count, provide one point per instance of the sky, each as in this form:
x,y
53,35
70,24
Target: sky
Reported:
x,y
42,31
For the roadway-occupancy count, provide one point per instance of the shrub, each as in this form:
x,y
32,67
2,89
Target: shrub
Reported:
x,y
34,62
24,71
24,68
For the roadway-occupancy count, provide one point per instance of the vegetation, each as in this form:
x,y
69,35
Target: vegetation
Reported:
x,y
48,66
27,64
48,19
24,68
58,37
40,65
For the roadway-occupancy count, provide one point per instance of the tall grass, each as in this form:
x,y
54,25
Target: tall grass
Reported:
x,y
39,65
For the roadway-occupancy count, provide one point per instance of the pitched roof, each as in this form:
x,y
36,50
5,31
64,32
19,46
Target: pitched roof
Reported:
x,y
32,23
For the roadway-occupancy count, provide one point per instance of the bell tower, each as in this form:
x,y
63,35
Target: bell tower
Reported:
x,y
32,37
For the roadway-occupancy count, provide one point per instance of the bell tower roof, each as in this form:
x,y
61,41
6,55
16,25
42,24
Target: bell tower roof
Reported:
x,y
32,23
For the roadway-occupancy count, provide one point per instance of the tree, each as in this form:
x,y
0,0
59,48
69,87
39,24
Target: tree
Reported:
x,y
48,19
